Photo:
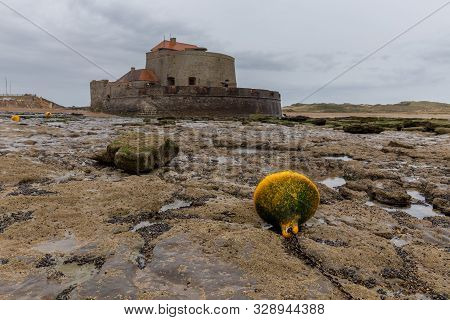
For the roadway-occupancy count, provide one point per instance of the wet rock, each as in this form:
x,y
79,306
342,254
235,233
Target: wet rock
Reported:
x,y
359,185
442,205
391,193
396,144
439,221
357,172
65,294
46,261
137,153
150,233
399,151
7,220
82,260
26,189
350,194
141,262
327,194
363,129
436,190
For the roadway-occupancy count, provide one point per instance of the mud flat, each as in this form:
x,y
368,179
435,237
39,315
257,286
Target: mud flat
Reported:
x,y
71,228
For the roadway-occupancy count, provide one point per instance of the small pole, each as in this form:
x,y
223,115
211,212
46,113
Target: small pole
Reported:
x,y
6,86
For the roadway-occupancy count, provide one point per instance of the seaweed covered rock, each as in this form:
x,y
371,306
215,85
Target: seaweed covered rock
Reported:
x,y
318,121
363,128
286,199
139,153
442,130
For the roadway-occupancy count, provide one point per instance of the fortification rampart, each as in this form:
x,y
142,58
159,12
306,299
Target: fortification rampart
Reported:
x,y
144,98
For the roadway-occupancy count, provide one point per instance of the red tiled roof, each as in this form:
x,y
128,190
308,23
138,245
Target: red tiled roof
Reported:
x,y
173,45
139,75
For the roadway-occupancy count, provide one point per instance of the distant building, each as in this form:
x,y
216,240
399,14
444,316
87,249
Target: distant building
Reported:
x,y
182,80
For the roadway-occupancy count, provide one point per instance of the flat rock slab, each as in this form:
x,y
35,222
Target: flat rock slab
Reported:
x,y
182,270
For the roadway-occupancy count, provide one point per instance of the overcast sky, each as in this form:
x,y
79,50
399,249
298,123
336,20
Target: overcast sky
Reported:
x,y
292,46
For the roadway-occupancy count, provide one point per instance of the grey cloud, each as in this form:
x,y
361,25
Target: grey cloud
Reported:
x,y
255,60
116,34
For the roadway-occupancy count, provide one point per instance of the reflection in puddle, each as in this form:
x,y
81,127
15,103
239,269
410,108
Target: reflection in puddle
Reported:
x,y
334,183
383,206
76,273
416,195
340,158
398,242
410,179
66,245
420,210
141,225
245,150
177,204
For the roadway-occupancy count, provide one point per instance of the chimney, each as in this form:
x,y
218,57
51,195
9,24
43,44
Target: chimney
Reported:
x,y
133,69
173,40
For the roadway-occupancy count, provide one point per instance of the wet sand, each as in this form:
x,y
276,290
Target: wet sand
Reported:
x,y
73,229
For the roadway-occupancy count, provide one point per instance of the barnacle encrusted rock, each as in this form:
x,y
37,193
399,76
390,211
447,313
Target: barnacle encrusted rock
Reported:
x,y
286,199
138,152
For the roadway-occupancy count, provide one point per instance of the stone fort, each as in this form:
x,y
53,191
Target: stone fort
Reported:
x,y
182,80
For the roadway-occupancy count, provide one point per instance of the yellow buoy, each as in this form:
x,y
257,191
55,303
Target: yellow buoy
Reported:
x,y
286,199
15,118
48,114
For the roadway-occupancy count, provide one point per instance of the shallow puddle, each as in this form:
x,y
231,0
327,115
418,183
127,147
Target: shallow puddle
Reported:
x,y
177,204
66,245
246,150
416,195
76,273
419,210
398,242
141,225
334,183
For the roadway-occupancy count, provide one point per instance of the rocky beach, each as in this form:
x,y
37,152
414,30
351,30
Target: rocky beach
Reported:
x,y
72,227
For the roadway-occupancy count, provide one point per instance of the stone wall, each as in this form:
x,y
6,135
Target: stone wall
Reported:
x,y
143,98
209,69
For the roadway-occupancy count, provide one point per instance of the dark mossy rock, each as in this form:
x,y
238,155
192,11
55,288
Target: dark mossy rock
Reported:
x,y
442,130
426,125
138,153
414,129
318,122
363,129
298,118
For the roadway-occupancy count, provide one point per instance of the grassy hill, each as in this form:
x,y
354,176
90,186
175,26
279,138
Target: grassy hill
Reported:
x,y
411,107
